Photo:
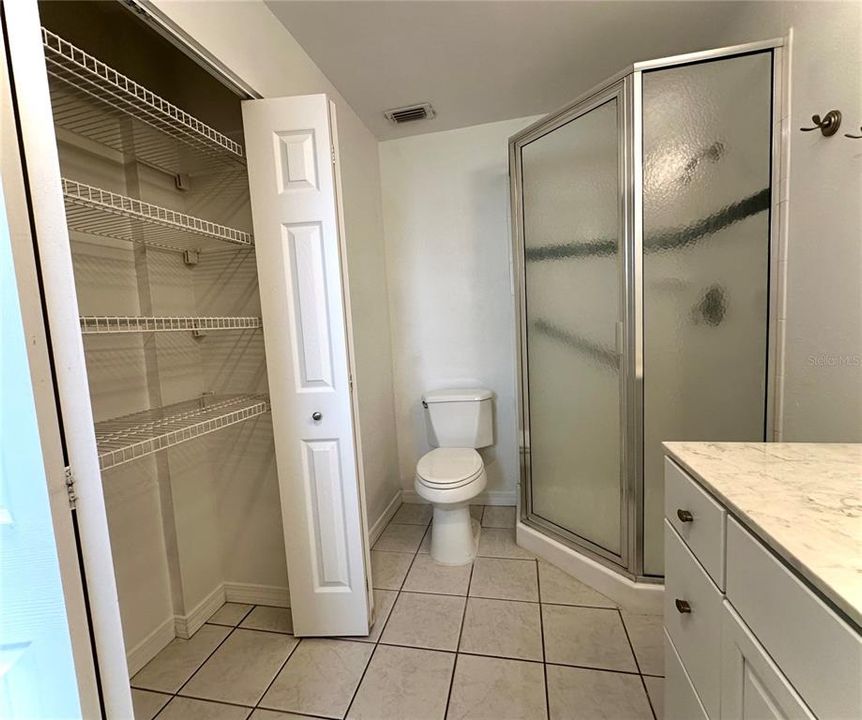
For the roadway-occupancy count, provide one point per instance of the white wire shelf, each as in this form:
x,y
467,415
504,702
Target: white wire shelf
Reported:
x,y
96,211
108,324
92,99
128,438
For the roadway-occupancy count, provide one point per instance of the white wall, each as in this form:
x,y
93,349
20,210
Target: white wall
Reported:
x,y
822,399
446,219
250,40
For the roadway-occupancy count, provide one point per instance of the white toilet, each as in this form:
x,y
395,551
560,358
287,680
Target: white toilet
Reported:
x,y
451,475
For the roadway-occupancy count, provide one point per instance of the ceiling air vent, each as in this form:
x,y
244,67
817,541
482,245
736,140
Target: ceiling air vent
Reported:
x,y
420,111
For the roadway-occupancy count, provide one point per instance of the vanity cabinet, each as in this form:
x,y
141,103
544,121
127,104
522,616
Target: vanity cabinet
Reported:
x,y
745,635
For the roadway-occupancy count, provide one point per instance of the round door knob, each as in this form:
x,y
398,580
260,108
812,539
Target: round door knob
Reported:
x,y
684,516
682,606
317,416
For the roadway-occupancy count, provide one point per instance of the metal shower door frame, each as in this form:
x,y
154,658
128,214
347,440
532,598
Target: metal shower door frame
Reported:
x,y
616,88
627,86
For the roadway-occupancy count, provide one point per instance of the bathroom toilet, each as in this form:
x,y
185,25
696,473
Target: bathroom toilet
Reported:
x,y
453,474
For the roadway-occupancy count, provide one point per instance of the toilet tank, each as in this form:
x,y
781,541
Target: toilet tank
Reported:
x,y
461,417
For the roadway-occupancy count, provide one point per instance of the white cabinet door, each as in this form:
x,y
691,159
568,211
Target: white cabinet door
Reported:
x,y
680,699
752,685
292,176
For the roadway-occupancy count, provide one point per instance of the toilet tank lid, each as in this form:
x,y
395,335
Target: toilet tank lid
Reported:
x,y
458,395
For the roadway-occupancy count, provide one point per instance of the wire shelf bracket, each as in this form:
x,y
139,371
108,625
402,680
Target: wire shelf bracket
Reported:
x,y
97,211
130,437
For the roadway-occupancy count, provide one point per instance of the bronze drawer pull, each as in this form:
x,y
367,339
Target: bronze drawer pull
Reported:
x,y
682,605
684,515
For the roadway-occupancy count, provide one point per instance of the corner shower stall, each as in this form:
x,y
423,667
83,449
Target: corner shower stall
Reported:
x,y
643,237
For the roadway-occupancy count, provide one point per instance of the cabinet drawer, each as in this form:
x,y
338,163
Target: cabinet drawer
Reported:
x,y
680,699
696,635
818,652
704,531
752,686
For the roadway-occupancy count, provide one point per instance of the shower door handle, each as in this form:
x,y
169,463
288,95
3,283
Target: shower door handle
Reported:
x,y
619,337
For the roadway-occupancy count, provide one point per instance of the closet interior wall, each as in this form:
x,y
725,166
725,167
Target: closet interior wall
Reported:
x,y
192,520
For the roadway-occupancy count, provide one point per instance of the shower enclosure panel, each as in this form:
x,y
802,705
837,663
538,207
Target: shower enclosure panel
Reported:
x,y
705,263
573,202
642,219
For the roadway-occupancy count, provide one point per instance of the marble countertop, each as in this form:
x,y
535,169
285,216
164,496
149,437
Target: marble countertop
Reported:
x,y
804,500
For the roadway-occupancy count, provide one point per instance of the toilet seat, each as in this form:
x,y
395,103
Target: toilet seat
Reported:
x,y
449,468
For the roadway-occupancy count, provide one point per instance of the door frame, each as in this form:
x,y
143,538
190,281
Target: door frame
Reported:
x,y
42,379
629,563
39,170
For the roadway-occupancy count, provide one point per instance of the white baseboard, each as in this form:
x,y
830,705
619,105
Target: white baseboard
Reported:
x,y
489,497
185,626
188,625
380,524
150,646
632,596
252,594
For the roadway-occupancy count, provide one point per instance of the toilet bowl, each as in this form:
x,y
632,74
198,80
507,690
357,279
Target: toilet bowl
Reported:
x,y
459,420
449,478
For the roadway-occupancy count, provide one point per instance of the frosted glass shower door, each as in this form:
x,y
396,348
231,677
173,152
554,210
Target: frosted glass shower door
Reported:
x,y
572,229
706,197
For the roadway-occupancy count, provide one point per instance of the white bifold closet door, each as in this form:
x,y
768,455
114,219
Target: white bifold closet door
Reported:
x,y
293,177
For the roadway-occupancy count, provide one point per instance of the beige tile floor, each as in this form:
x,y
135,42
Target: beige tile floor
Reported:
x,y
509,637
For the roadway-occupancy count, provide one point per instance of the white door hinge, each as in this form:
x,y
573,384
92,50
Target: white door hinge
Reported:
x,y
70,488
332,153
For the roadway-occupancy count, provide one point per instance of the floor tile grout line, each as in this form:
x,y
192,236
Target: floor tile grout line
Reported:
x,y
278,672
542,633
579,605
216,702
649,698
261,630
209,621
196,671
393,521
637,664
365,669
292,712
464,612
484,597
629,640
451,684
532,661
461,629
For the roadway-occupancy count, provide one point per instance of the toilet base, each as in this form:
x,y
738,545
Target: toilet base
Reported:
x,y
454,534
